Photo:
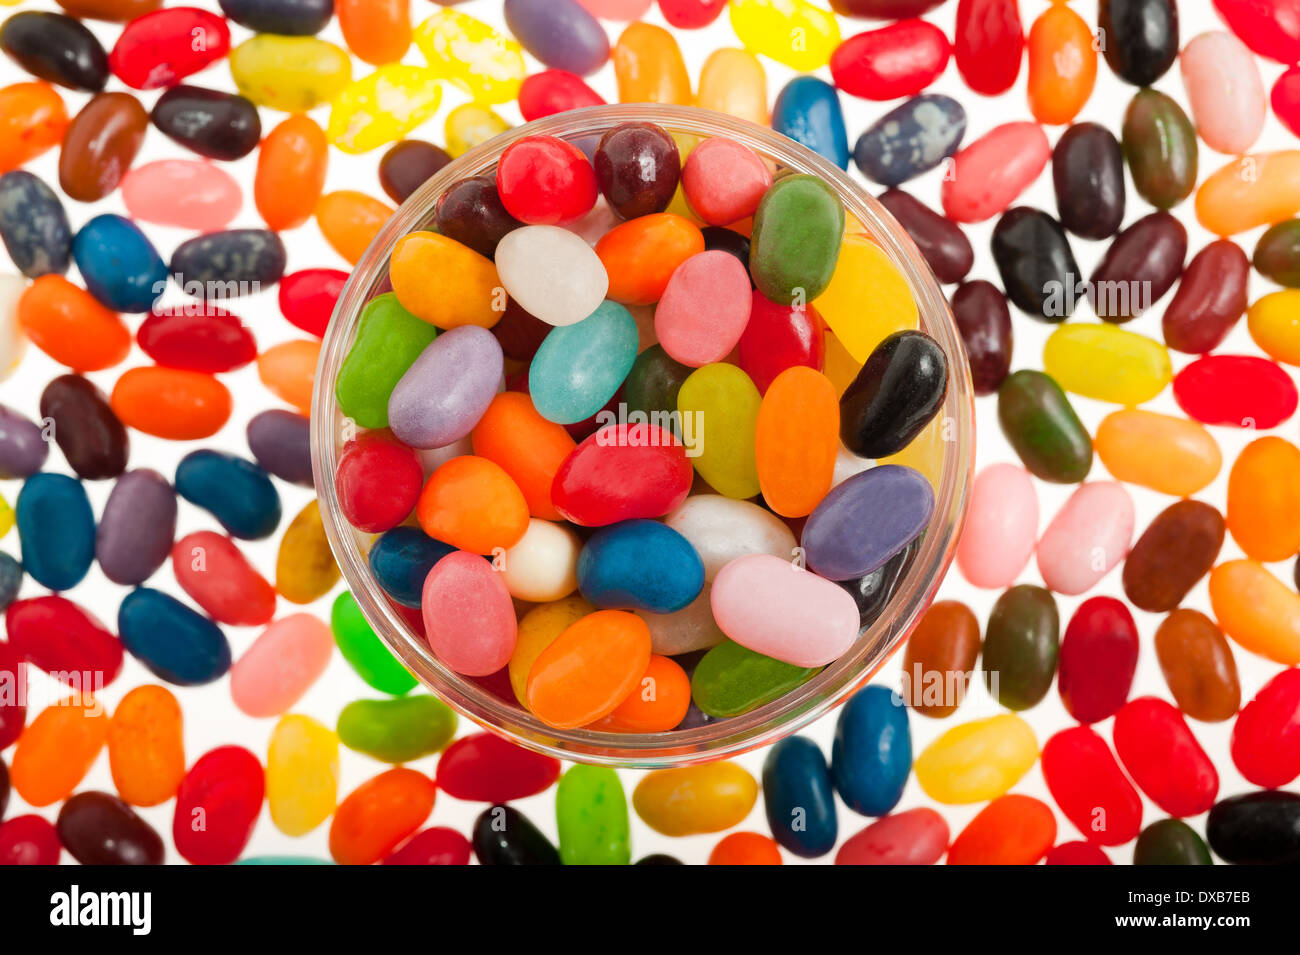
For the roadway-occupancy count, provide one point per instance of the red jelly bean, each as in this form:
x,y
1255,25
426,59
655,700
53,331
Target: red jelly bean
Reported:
x,y
308,297
1266,737
1077,853
1163,757
1011,830
55,635
913,837
989,44
217,806
13,694
898,60
1098,658
198,337
436,846
1241,391
29,840
778,337
1285,99
162,48
1090,788
1269,27
554,91
691,14
544,180
211,568
621,473
378,482
485,768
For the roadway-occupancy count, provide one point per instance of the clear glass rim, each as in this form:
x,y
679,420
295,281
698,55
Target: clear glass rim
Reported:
x,y
911,596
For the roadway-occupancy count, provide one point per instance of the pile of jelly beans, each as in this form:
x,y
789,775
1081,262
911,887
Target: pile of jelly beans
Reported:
x,y
1074,706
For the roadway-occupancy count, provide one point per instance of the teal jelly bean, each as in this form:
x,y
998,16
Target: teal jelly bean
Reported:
x,y
57,530
398,730
579,367
591,813
389,339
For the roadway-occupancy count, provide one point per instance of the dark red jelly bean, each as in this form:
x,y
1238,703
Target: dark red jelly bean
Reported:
x,y
554,91
28,840
1210,298
217,806
1077,853
436,846
1098,658
307,298
55,635
85,427
99,829
941,241
56,48
1090,788
162,48
1141,265
200,337
1163,757
895,61
778,337
1242,391
989,44
408,165
378,482
1266,737
213,124
13,694
637,168
520,333
1088,174
980,310
483,767
471,212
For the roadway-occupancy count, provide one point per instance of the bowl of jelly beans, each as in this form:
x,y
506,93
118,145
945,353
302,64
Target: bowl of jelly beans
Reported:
x,y
594,451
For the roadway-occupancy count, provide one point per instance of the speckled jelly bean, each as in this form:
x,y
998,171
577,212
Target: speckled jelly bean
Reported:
x,y
57,749
33,225
910,139
217,806
1037,419
162,48
225,264
146,751
57,530
100,144
363,649
977,761
99,829
591,817
808,111
301,774
235,491
56,48
472,55
1090,788
383,107
398,730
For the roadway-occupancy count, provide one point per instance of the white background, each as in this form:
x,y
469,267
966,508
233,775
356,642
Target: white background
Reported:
x,y
211,719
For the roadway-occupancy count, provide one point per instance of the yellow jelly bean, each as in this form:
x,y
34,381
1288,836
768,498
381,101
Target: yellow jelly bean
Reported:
x,y
793,32
1274,323
925,453
383,107
840,367
1257,610
6,516
537,631
695,799
719,408
732,81
305,568
1167,454
977,761
867,299
1250,191
302,774
472,55
292,73
649,68
1108,363
471,125
467,293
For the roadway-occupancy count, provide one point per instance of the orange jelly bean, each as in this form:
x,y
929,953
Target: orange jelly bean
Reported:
x,y
379,814
146,752
291,173
350,220
377,31
1250,191
289,371
1062,65
528,447
33,119
1167,454
1257,610
797,440
472,503
589,669
1264,499
171,402
641,255
57,750
468,287
1011,830
745,848
656,704
649,68
69,325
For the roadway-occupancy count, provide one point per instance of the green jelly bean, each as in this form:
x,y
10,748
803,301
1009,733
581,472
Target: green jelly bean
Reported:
x,y
1277,256
719,406
591,813
1021,646
730,680
1160,146
1041,425
389,339
362,648
398,730
796,239
1170,842
652,386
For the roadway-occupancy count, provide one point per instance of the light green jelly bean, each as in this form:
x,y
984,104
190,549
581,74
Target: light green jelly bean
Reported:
x,y
290,73
363,649
591,812
796,239
389,339
730,680
719,412
398,730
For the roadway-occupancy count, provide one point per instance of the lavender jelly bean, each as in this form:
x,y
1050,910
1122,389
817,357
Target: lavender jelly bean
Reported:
x,y
137,528
281,443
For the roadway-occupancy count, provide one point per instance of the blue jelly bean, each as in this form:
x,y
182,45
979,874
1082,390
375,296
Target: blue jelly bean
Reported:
x,y
401,558
560,33
808,111
33,225
872,753
236,492
911,139
11,580
120,266
798,797
579,367
640,565
57,529
174,643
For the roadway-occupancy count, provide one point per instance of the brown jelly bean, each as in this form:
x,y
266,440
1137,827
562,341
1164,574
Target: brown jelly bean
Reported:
x,y
1197,664
408,165
1141,265
1173,553
99,829
940,658
984,321
1210,298
85,428
940,240
1088,173
100,144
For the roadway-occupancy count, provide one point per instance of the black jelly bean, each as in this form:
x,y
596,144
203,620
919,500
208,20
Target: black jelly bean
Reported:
x,y
86,429
910,139
408,165
898,390
638,168
228,264
718,238
56,48
1036,263
1140,38
286,17
213,124
872,591
659,859
1088,173
99,829
1141,265
471,212
941,241
504,836
984,321
1259,828
34,225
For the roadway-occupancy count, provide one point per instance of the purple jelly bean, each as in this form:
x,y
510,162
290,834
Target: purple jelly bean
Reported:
x,y
560,33
446,390
281,443
23,448
866,520
137,528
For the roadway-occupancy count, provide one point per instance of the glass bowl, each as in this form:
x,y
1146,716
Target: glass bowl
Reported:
x,y
721,738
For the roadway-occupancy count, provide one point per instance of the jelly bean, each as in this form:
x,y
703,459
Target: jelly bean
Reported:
x,y
888,506
307,298
913,837
146,752
1271,323
639,565
398,730
1062,65
1021,646
377,32
1011,830
33,225
1088,176
796,441
648,67
11,580
504,836
654,476
641,255
940,657
1001,527
638,168
435,846
1142,263
1144,38
1170,842
1173,554
288,370
473,504
1160,146
420,254
1077,853
92,439
364,651
389,339
591,816
99,829
1270,29
29,840
290,173
898,391
475,57
733,82
543,566
988,175
471,212
213,124
1038,421
56,48
235,491
946,249
379,815
281,860
723,395
911,139
401,558
537,630
1224,90
543,180
1037,266
160,49
561,34
211,569
1256,610
280,665
1263,501
114,11
787,261
378,482
458,581
1265,747
56,751
217,806
1210,298
722,529
612,649
1256,828
652,385
304,567
1107,363
288,17
408,165
302,768
57,530
1087,783
67,642
350,220
797,33
444,393
1277,252
173,642
119,264
70,326
732,679
1198,666
891,62
798,797
100,144
13,705
808,111
690,14
383,107
1236,390
186,193
227,264
485,768
977,761
1229,202
1164,758
745,848
540,95
775,338
694,800
989,44
1284,98
1098,658
1158,451
33,119
690,337
528,447
198,338
872,753
568,291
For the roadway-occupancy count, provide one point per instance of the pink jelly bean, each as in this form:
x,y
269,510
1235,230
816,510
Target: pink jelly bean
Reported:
x,y
1163,757
704,309
469,619
990,174
1088,536
1224,91
186,193
914,837
617,9
281,665
1001,527
724,180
